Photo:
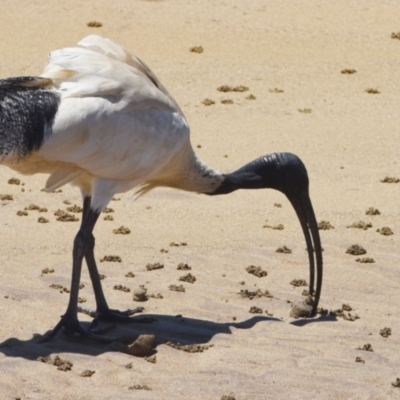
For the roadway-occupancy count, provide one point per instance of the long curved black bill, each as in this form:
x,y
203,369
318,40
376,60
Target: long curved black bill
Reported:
x,y
287,173
305,213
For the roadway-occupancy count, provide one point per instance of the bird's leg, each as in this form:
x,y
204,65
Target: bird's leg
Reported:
x,y
102,309
82,242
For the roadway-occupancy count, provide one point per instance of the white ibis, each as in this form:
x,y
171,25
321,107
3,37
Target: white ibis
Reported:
x,y
98,118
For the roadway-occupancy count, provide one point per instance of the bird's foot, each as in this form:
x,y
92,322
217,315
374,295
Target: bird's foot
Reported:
x,y
70,324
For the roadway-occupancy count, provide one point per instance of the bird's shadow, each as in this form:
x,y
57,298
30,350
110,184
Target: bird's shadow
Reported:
x,y
165,328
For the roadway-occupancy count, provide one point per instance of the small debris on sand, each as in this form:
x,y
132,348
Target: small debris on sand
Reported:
x,y
111,258
87,373
108,210
152,267
395,35
140,294
226,88
276,90
385,332
122,230
348,71
184,267
325,226
255,310
176,288
190,348
255,294
47,271
59,287
356,250
251,97
386,231
139,387
360,360
62,365
130,274
284,250
372,211
344,313
361,225
208,102
372,91
14,181
365,260
188,278
196,49
256,271
299,282
278,227
63,216
366,347
389,179
174,244
230,396
42,220
75,209
94,24
6,197
108,218
22,213
122,288
151,359
304,110
227,101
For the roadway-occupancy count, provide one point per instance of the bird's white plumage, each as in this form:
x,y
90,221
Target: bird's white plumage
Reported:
x,y
116,127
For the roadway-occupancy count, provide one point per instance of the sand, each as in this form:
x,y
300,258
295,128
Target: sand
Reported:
x,y
323,82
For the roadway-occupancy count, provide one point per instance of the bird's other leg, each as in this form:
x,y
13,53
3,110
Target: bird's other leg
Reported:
x,y
83,241
102,309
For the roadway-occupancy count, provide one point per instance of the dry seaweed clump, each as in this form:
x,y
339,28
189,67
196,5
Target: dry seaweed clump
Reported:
x,y
122,288
227,88
196,49
386,231
75,209
14,181
183,267
361,225
372,91
256,271
389,179
94,24
87,373
111,259
385,332
190,348
62,365
366,347
284,250
251,294
349,71
278,227
122,230
208,102
372,211
6,197
188,278
299,282
365,260
344,313
152,267
356,250
325,226
177,288
255,310
395,35
63,216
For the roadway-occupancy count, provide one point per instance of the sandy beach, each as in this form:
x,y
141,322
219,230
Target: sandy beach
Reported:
x,y
323,82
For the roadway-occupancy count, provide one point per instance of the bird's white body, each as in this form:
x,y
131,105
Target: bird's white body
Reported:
x,y
116,128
